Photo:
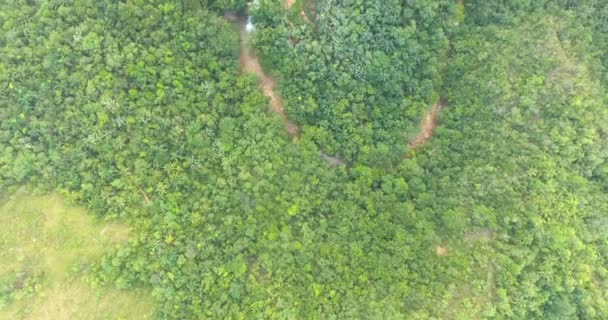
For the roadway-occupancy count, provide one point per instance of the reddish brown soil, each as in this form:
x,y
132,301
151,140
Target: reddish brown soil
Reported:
x,y
251,63
427,126
289,3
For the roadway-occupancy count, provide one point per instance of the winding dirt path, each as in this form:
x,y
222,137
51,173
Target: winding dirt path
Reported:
x,y
289,3
428,122
427,126
251,63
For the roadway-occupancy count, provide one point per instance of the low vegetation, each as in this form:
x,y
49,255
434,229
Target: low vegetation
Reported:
x,y
47,253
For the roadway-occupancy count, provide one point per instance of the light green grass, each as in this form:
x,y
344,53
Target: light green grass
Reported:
x,y
45,250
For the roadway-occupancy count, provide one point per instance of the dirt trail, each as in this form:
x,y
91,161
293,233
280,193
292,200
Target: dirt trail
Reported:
x,y
428,122
251,63
289,3
427,126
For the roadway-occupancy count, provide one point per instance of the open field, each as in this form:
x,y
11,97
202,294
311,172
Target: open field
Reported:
x,y
46,249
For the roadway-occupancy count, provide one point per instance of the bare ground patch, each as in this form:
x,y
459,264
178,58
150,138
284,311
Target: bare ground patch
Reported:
x,y
441,251
290,3
427,126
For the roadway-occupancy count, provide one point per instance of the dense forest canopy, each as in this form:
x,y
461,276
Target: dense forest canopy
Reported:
x,y
359,74
140,111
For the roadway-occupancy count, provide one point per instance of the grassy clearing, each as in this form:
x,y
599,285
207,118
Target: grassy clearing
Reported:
x,y
46,249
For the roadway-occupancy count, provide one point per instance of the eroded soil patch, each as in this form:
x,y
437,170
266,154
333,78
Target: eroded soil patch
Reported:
x,y
427,125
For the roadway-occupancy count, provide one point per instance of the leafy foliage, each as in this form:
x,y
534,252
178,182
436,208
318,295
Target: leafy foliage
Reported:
x,y
138,110
362,74
517,153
